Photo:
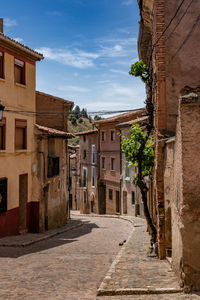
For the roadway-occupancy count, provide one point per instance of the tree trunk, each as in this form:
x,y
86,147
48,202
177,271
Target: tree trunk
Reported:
x,y
143,188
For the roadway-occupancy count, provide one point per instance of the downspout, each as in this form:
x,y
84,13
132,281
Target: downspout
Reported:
x,y
120,185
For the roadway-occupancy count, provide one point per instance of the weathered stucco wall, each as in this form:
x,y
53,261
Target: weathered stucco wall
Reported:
x,y
17,162
186,201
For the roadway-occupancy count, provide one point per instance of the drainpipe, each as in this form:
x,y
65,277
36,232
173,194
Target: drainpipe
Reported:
x,y
120,186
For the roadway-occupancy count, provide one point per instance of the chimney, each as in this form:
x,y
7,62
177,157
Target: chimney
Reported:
x,y
1,25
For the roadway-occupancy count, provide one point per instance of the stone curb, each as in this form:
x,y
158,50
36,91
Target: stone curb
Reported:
x,y
43,238
102,291
138,291
108,216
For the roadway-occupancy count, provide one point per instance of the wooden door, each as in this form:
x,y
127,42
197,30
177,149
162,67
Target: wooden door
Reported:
x,y
23,198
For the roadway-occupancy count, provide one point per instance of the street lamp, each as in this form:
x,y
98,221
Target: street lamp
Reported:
x,y
1,111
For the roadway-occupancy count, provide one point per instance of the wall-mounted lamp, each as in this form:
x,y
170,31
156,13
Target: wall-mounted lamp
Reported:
x,y
1,111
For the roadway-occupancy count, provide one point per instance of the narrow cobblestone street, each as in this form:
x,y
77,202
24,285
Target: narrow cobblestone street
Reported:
x,y
68,266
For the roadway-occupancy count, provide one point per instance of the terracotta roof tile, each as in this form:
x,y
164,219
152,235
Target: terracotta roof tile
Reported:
x,y
6,39
54,132
120,117
54,97
87,132
131,122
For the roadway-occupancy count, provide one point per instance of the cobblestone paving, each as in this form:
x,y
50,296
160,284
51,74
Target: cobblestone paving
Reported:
x,y
193,296
69,266
135,269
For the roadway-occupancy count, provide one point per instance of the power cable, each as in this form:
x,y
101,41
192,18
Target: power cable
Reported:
x,y
181,46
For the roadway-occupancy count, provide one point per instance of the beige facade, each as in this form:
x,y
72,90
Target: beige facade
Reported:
x,y
109,183
16,155
52,176
88,159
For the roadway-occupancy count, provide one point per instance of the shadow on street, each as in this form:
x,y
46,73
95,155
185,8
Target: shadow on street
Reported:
x,y
56,241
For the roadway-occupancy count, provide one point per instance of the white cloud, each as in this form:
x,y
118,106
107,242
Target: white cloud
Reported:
x,y
77,59
18,39
127,2
68,88
120,72
9,22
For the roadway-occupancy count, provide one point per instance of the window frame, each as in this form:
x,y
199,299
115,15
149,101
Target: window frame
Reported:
x,y
2,73
112,135
25,133
103,135
84,154
23,70
3,125
93,177
103,166
112,165
93,154
85,181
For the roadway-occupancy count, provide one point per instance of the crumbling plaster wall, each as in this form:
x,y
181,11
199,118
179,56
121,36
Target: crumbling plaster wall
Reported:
x,y
186,204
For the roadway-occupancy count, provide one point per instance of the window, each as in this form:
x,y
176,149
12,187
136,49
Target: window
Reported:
x,y
103,162
84,154
20,134
84,138
1,64
112,135
93,154
110,192
133,198
2,134
19,71
84,177
103,136
3,195
112,164
53,166
93,176
127,172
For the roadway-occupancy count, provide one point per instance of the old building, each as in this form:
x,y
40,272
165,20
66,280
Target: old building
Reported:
x,y
74,191
88,160
51,178
109,147
17,145
169,44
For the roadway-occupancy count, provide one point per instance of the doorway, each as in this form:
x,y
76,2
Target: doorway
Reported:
x,y
125,202
45,194
117,202
23,198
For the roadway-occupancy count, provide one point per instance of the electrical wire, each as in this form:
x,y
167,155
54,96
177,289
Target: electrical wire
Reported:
x,y
46,113
180,47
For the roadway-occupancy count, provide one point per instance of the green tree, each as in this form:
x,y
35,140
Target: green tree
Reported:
x,y
139,151
96,117
84,113
77,112
139,69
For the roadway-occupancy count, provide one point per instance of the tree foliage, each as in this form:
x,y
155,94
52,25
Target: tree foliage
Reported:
x,y
139,69
131,148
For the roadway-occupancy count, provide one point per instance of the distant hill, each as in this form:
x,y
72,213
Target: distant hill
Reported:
x,y
82,124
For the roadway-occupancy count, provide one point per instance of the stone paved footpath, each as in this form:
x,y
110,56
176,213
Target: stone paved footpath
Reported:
x,y
68,266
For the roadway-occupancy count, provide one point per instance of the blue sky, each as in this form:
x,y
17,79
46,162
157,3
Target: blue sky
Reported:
x,y
88,47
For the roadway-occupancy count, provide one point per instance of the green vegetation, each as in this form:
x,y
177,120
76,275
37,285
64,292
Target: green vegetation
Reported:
x,y
78,121
139,69
139,151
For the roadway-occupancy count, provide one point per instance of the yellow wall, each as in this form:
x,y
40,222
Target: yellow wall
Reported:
x,y
17,97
